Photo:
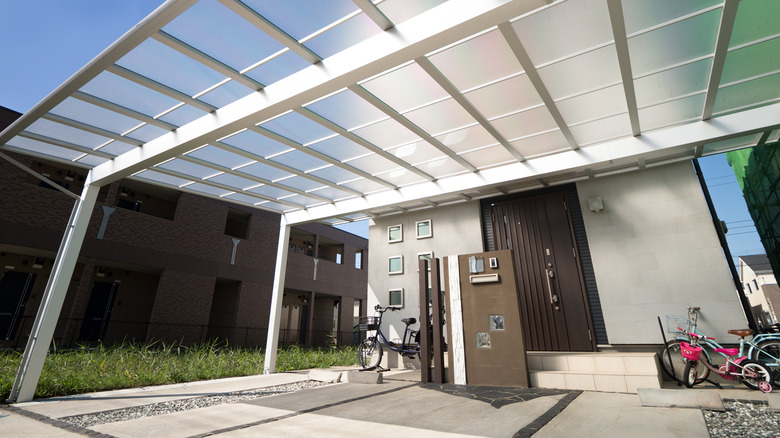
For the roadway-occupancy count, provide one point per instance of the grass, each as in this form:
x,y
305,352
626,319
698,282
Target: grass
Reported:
x,y
129,366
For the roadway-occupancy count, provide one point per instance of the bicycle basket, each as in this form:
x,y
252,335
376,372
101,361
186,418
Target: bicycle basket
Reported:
x,y
368,323
675,322
689,351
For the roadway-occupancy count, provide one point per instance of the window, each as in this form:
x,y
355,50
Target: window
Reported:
x,y
749,291
237,223
359,259
424,229
396,265
396,298
425,256
395,233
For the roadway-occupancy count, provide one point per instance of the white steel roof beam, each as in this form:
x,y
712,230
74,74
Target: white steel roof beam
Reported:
x,y
283,167
376,15
250,15
311,115
445,24
205,59
321,156
160,88
681,140
408,124
536,80
151,24
624,60
727,18
453,91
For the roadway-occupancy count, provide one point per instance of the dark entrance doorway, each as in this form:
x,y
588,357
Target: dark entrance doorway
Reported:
x,y
15,290
98,313
553,302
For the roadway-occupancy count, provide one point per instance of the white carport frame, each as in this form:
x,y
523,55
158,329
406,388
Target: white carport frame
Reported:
x,y
454,20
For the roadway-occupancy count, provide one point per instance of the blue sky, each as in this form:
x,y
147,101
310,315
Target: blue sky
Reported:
x,y
47,41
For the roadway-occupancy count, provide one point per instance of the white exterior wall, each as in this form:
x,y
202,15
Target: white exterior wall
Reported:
x,y
456,228
655,251
754,288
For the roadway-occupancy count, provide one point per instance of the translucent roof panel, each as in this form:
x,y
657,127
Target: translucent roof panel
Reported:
x,y
477,61
66,133
597,104
399,11
299,160
228,92
641,14
219,156
244,45
129,94
186,168
161,178
589,71
303,200
489,156
401,177
334,173
339,148
268,191
301,18
670,113
169,67
504,97
146,132
672,83
300,183
751,61
675,43
182,115
373,164
386,134
441,167
38,147
541,144
255,143
277,68
233,180
347,110
604,129
419,88
94,115
332,193
91,160
570,27
525,123
297,128
467,139
416,152
364,185
342,36
264,171
206,189
441,117
755,19
747,94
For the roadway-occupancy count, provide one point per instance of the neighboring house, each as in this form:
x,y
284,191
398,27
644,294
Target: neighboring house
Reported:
x,y
162,265
761,288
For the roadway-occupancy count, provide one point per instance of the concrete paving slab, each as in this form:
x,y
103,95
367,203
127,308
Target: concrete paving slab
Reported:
x,y
368,377
670,398
608,415
774,401
15,425
108,400
325,376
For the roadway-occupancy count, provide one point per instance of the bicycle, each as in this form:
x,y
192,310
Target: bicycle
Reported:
x,y
370,350
764,347
751,373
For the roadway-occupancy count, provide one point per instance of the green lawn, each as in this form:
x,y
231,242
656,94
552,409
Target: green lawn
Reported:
x,y
128,366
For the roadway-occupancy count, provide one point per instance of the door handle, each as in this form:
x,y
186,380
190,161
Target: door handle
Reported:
x,y
553,298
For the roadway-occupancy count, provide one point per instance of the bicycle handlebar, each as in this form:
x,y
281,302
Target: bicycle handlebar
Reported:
x,y
381,309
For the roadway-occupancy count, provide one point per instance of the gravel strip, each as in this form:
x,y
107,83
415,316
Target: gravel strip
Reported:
x,y
743,419
169,407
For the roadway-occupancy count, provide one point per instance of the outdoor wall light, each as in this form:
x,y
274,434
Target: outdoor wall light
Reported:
x,y
595,204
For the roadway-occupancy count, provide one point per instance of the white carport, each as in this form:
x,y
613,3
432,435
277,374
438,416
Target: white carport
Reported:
x,y
345,110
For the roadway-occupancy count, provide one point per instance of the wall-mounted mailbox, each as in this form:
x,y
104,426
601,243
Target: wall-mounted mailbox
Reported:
x,y
485,278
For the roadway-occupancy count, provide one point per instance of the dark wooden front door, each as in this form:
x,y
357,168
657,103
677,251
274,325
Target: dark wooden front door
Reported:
x,y
553,302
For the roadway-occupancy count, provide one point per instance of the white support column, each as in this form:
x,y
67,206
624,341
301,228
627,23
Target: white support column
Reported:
x,y
276,299
51,305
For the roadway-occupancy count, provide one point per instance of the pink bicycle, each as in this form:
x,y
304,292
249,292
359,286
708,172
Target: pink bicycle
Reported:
x,y
753,374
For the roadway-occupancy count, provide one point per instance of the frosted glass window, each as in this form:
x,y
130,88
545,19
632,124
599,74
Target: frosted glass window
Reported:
x,y
395,233
396,265
395,298
567,28
675,43
504,97
419,88
477,61
347,110
424,229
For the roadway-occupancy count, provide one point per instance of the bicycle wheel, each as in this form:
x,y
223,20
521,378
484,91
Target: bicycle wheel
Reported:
x,y
768,353
759,372
370,353
691,372
671,359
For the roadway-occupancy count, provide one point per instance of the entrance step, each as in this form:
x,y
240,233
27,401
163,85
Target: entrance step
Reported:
x,y
600,371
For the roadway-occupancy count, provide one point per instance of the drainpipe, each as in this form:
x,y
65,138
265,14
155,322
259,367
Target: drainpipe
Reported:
x,y
722,237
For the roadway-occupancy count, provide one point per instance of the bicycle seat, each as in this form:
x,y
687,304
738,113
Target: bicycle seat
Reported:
x,y
741,332
409,321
